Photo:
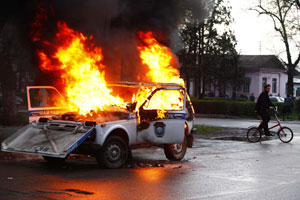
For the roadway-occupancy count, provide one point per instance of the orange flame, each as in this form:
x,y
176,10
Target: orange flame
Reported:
x,y
161,61
79,62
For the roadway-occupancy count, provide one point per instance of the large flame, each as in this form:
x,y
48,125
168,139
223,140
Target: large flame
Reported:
x,y
159,59
161,63
79,63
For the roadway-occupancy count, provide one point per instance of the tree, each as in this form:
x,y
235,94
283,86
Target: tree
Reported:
x,y
285,17
15,57
7,75
209,49
227,71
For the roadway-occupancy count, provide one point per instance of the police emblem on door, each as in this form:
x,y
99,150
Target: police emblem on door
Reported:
x,y
159,129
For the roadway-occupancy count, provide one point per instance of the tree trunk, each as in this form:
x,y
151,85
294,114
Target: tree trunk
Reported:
x,y
200,86
203,87
224,88
290,83
196,86
233,92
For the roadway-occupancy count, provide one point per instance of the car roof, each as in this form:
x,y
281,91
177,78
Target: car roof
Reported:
x,y
146,84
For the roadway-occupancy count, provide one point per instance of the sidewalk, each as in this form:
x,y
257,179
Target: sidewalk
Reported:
x,y
218,116
242,123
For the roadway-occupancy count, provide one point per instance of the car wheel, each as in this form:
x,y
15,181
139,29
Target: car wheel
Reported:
x,y
114,153
176,152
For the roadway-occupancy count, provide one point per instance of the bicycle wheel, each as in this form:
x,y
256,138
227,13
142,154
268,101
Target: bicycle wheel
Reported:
x,y
254,135
285,134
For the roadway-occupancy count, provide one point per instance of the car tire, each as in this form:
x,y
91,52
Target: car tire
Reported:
x,y
176,152
114,153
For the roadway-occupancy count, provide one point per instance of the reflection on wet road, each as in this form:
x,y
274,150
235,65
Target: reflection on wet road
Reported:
x,y
213,169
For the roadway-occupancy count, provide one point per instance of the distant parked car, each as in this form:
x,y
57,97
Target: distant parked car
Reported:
x,y
277,99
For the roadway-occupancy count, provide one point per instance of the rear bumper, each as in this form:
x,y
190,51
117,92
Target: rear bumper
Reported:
x,y
190,138
194,131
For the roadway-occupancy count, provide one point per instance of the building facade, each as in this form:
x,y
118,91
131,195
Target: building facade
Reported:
x,y
260,70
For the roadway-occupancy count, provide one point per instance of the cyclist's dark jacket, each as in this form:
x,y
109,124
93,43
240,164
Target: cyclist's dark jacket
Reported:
x,y
263,102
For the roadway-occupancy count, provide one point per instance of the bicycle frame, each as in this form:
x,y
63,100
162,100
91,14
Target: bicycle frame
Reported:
x,y
277,119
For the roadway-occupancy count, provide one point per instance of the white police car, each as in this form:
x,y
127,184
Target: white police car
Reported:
x,y
55,136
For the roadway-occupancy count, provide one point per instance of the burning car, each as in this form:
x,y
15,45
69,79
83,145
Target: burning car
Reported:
x,y
108,135
89,116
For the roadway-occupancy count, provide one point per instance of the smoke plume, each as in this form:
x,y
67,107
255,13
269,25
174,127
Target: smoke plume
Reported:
x,y
114,24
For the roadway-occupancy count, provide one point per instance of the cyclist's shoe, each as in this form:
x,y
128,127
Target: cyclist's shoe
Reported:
x,y
268,134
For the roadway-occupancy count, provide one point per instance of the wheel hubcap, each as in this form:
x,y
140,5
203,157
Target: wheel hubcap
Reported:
x,y
177,148
113,152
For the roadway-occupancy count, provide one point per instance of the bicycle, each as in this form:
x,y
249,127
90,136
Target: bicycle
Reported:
x,y
285,134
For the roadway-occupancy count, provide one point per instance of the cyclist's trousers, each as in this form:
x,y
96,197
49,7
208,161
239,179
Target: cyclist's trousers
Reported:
x,y
265,118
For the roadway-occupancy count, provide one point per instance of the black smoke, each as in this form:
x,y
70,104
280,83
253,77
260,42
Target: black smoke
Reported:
x,y
114,24
107,16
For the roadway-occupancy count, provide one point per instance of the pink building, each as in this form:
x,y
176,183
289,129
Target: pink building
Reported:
x,y
259,71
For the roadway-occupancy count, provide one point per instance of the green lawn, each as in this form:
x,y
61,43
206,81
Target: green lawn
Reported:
x,y
206,129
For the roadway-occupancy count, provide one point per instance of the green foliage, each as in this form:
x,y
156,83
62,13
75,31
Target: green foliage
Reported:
x,y
221,99
294,115
206,129
226,107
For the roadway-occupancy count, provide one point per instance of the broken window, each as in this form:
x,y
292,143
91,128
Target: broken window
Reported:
x,y
166,100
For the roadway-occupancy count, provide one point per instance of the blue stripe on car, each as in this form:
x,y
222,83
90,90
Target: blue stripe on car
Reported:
x,y
75,145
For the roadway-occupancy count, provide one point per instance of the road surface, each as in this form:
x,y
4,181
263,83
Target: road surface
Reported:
x,y
213,169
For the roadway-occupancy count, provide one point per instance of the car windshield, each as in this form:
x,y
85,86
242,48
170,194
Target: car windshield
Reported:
x,y
125,92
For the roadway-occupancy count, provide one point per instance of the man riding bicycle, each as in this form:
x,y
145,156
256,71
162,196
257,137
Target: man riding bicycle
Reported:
x,y
262,105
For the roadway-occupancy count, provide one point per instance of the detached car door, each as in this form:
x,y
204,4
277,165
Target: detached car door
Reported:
x,y
43,101
51,138
162,117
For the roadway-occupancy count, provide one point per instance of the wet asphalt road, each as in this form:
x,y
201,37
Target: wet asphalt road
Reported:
x,y
213,169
